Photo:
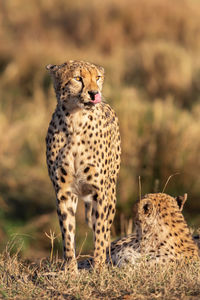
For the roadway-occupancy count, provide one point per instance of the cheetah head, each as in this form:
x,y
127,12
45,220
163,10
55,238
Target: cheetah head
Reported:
x,y
77,83
158,211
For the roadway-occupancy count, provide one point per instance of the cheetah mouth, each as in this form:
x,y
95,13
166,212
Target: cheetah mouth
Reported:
x,y
97,99
91,102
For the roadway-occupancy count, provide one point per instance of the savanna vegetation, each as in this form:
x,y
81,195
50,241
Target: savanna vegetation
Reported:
x,y
150,51
44,280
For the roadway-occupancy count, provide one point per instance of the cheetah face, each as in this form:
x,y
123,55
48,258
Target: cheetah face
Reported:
x,y
145,212
77,82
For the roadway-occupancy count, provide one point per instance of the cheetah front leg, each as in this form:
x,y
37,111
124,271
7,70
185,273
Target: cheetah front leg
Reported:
x,y
66,209
100,227
111,191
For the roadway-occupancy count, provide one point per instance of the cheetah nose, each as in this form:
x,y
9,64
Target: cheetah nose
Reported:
x,y
92,94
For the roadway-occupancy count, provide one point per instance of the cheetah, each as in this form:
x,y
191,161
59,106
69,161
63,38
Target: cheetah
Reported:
x,y
83,155
161,234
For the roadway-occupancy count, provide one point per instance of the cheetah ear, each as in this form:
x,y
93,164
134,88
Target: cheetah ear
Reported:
x,y
181,201
52,68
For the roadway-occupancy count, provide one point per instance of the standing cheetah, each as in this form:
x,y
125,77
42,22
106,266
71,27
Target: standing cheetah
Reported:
x,y
83,154
161,234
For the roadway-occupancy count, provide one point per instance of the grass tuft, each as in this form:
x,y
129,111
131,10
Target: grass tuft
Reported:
x,y
26,280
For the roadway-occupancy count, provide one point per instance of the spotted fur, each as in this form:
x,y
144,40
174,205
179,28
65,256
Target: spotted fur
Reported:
x,y
83,154
161,234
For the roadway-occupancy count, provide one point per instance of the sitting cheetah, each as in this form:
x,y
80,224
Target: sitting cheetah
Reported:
x,y
83,154
161,234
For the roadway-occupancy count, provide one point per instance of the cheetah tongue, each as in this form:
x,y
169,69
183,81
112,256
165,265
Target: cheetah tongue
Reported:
x,y
97,98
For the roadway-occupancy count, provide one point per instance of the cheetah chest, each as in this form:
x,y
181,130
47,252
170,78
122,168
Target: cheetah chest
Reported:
x,y
83,146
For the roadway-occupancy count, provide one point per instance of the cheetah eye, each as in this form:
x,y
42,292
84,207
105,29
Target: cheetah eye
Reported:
x,y
78,78
98,77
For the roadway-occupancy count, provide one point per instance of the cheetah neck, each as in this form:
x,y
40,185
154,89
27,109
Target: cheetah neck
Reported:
x,y
163,235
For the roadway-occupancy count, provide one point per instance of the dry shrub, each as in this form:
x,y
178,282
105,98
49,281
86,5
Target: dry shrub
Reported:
x,y
86,22
158,140
163,68
157,42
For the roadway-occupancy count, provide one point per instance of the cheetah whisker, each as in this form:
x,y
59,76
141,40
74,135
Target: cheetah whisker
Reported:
x,y
168,179
140,187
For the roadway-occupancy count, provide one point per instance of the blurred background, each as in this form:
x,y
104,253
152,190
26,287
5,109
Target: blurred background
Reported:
x,y
150,50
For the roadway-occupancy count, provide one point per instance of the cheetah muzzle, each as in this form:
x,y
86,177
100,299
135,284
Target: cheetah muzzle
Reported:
x,y
83,155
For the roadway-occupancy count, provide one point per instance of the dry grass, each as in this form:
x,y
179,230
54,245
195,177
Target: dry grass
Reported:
x,y
45,280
